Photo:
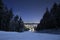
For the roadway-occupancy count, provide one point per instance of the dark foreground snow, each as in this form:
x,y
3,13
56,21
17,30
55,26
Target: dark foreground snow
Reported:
x,y
27,36
50,31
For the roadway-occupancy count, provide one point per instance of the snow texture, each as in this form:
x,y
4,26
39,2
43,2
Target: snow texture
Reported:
x,y
27,36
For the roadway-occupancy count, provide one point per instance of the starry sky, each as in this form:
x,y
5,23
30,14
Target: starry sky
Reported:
x,y
31,11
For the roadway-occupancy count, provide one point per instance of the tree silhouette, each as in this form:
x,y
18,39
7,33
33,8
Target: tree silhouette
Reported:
x,y
21,24
5,16
50,20
7,22
1,4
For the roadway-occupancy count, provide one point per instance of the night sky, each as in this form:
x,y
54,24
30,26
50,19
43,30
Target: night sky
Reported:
x,y
30,10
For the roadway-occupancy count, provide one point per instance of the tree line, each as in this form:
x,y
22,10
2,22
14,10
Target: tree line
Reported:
x,y
8,22
51,19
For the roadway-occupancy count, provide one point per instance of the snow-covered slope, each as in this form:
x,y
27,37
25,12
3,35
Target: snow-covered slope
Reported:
x,y
27,36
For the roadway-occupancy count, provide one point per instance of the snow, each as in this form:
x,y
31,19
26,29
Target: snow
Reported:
x,y
27,36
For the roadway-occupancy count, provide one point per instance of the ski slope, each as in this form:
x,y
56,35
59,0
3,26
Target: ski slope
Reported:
x,y
27,36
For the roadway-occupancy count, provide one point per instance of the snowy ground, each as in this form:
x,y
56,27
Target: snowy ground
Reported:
x,y
27,36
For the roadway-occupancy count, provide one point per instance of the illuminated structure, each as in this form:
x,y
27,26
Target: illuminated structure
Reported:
x,y
31,26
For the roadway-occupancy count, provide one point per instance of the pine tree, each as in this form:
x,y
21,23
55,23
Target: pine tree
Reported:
x,y
9,16
57,16
16,22
1,4
21,25
5,16
1,14
50,20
